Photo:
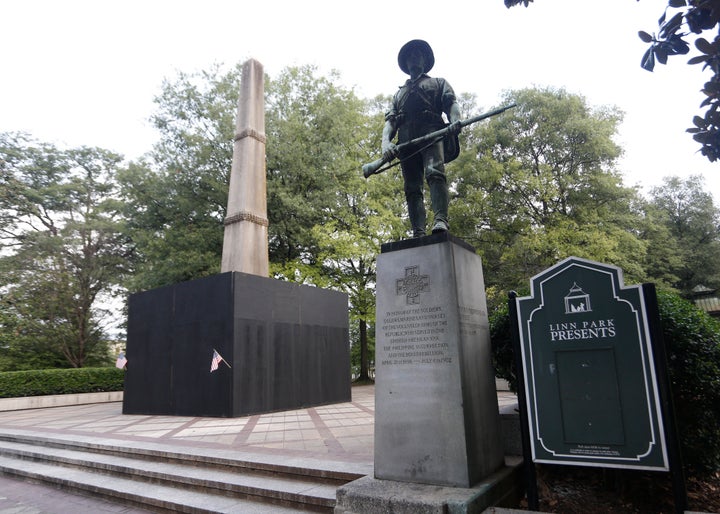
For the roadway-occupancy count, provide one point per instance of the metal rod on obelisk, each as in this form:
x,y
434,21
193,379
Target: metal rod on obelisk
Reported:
x,y
245,244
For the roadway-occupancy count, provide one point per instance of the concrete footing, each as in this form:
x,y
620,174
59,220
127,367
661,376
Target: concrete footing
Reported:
x,y
368,495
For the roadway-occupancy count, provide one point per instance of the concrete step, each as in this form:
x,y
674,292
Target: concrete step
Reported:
x,y
169,480
324,470
155,497
330,471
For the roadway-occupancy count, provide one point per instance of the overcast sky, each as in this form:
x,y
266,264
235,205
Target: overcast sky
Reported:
x,y
86,72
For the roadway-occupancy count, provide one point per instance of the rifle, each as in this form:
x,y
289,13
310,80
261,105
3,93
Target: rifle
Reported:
x,y
373,168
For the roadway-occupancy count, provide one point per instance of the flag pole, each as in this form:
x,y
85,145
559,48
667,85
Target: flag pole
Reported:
x,y
222,358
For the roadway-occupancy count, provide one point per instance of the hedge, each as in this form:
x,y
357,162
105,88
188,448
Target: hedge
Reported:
x,y
692,339
15,384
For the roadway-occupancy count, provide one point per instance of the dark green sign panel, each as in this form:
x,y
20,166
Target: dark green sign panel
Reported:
x,y
592,395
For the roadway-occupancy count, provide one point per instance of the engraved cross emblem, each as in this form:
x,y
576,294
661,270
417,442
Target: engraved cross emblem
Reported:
x,y
412,285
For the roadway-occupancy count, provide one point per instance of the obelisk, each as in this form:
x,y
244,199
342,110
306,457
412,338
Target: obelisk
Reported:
x,y
242,314
245,243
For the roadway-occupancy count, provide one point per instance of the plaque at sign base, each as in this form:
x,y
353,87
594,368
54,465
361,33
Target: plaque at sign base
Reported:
x,y
436,411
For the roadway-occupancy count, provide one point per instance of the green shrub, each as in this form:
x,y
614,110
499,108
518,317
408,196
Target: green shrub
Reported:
x,y
693,342
503,354
15,384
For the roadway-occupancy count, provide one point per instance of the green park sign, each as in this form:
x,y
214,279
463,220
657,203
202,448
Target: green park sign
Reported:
x,y
590,380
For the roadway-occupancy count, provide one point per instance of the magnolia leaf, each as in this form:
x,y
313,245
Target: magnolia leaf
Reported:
x,y
648,60
661,54
677,3
669,28
712,117
699,121
711,88
698,59
704,45
647,38
673,24
678,45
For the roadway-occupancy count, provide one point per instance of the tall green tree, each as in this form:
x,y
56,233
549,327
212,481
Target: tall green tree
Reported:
x,y
342,218
318,136
314,129
538,184
367,213
689,224
176,198
64,250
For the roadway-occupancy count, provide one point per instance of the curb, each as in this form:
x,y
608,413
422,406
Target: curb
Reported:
x,y
58,400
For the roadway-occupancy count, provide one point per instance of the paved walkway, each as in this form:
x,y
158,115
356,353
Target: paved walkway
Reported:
x,y
340,432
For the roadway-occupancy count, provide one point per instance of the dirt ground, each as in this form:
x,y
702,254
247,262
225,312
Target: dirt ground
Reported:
x,y
572,489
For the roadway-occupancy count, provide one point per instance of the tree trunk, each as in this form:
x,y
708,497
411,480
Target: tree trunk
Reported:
x,y
363,351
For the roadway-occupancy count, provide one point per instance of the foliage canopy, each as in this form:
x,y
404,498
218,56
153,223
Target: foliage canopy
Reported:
x,y
64,251
530,187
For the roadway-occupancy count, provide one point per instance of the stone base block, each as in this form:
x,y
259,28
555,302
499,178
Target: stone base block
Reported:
x,y
368,495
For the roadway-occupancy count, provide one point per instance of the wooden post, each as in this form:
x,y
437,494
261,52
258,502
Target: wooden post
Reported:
x,y
529,472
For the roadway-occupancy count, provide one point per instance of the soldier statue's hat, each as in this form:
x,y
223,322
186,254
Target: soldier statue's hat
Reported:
x,y
416,44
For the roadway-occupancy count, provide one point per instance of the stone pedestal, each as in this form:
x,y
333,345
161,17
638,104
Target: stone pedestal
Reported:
x,y
287,346
436,411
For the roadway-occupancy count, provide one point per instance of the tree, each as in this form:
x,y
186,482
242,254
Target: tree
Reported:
x,y
538,184
367,214
176,199
22,347
317,185
318,136
63,250
315,137
696,17
691,223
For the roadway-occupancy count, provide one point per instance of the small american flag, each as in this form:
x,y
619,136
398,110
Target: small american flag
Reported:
x,y
216,360
121,361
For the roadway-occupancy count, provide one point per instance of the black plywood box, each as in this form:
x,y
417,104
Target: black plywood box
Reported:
x,y
287,346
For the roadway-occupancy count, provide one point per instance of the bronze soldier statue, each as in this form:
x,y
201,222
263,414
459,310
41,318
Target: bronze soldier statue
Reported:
x,y
416,111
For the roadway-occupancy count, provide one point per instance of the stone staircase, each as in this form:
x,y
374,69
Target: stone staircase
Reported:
x,y
164,479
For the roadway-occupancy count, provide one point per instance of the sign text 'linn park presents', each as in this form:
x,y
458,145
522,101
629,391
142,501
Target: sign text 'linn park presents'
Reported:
x,y
590,382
